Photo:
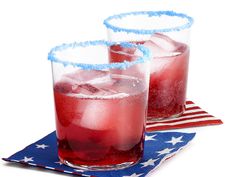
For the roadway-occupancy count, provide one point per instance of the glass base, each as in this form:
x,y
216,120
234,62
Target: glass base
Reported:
x,y
153,119
99,167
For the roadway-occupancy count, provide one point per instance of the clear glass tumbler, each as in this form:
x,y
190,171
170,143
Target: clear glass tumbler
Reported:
x,y
100,108
166,34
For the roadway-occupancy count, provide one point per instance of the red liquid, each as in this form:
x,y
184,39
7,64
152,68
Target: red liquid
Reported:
x,y
167,89
100,127
168,78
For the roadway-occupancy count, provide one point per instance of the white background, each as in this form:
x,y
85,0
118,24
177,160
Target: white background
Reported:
x,y
28,29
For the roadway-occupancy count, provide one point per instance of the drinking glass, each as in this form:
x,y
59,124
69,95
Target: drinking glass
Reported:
x,y
100,107
166,34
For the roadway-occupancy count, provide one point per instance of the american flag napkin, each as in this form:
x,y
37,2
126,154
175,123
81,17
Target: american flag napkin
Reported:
x,y
159,146
194,116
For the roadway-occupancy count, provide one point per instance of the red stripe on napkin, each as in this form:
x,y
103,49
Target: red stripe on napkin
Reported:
x,y
193,116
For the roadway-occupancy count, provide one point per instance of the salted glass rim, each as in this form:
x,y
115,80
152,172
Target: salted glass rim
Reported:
x,y
121,65
108,22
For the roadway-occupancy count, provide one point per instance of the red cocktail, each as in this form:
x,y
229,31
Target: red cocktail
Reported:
x,y
100,107
166,34
168,75
100,121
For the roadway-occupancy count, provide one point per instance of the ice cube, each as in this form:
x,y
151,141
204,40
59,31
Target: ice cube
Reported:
x,y
102,94
130,127
85,89
100,91
164,42
128,84
102,79
87,76
162,46
85,82
63,86
156,50
97,115
68,85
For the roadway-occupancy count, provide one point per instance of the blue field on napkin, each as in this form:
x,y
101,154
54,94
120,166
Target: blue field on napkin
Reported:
x,y
158,147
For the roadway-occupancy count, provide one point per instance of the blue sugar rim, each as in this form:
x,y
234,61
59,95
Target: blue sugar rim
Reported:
x,y
107,23
123,65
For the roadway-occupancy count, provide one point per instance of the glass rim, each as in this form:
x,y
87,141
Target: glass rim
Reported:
x,y
121,65
115,28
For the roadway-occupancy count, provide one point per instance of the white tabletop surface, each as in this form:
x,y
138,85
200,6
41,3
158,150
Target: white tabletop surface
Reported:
x,y
29,29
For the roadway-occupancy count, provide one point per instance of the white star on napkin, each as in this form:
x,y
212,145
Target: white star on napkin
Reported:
x,y
174,140
27,159
150,162
164,151
150,138
42,146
